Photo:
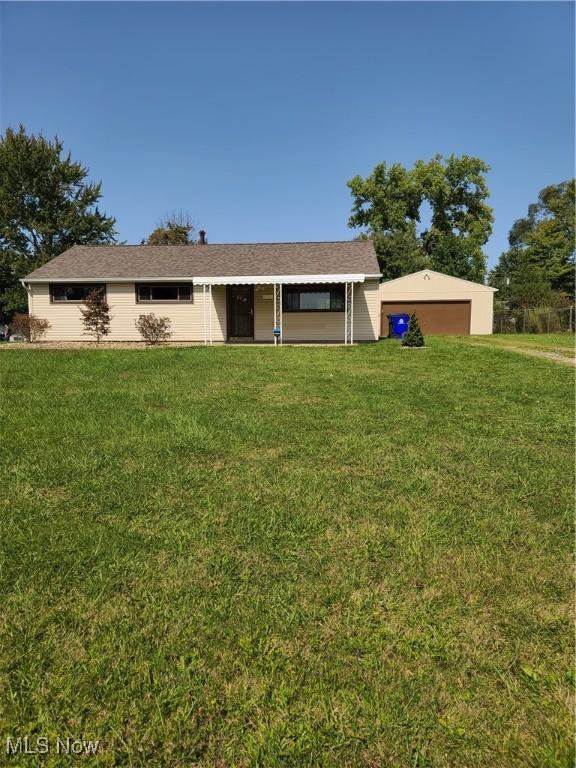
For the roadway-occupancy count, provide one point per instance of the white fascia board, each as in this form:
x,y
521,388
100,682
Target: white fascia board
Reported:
x,y
24,281
211,280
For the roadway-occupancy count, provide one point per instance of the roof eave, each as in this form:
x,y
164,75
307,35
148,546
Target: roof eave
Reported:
x,y
480,286
337,277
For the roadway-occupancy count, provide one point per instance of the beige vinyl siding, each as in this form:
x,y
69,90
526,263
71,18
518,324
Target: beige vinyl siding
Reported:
x,y
319,326
187,318
313,326
263,312
367,311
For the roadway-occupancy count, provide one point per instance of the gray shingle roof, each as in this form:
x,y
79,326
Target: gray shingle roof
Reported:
x,y
92,262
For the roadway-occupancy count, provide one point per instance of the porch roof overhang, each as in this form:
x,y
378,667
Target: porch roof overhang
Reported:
x,y
278,279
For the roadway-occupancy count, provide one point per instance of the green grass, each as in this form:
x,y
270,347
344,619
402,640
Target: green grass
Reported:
x,y
561,343
288,557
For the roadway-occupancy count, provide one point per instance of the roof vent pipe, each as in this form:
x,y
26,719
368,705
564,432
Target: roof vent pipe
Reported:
x,y
202,239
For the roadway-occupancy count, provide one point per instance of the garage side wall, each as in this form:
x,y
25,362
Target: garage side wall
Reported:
x,y
430,286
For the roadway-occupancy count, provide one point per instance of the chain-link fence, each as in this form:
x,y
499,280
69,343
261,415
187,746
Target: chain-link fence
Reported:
x,y
535,320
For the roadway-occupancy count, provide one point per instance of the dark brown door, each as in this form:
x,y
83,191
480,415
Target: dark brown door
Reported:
x,y
240,311
441,318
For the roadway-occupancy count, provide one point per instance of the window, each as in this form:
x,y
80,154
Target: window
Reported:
x,y
313,298
73,291
164,292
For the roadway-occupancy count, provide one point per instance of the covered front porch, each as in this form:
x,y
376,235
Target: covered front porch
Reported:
x,y
278,309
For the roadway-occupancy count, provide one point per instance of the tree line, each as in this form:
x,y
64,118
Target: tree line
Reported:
x,y
47,204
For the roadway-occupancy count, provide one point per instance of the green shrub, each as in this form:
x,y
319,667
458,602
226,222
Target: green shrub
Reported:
x,y
414,336
153,329
542,320
31,327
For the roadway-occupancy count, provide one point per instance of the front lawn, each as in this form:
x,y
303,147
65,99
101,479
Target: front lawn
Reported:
x,y
288,557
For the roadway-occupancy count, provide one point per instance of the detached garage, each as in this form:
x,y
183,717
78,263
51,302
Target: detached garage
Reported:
x,y
444,305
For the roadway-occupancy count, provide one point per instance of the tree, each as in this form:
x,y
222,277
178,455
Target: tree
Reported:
x,y
31,327
528,287
96,317
542,249
388,204
520,282
414,336
154,330
461,219
46,206
174,229
12,295
401,253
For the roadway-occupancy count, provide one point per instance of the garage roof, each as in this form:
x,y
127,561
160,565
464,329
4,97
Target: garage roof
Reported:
x,y
430,272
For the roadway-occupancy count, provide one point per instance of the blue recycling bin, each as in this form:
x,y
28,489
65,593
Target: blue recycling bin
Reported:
x,y
398,325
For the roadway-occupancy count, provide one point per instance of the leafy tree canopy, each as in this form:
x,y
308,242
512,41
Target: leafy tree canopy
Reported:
x,y
540,260
46,206
174,229
387,204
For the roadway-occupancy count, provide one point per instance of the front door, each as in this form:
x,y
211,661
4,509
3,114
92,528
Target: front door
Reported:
x,y
240,311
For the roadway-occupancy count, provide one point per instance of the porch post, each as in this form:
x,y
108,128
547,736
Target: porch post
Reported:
x,y
275,315
278,311
204,312
351,313
345,313
348,313
210,305
281,326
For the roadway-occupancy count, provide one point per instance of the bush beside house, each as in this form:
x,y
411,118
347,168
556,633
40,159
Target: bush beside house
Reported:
x,y
154,330
32,328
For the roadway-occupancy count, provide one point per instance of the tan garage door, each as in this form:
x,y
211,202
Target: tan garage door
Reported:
x,y
446,318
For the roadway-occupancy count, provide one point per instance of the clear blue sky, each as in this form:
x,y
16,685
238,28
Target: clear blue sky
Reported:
x,y
252,116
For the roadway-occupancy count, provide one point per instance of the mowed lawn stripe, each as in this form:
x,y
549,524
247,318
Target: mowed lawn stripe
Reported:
x,y
289,557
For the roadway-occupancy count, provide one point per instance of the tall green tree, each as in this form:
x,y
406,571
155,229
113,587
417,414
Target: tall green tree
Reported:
x,y
542,250
388,203
46,206
174,229
461,220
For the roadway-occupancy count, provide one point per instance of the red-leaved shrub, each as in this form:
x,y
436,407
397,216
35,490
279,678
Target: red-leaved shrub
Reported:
x,y
154,330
